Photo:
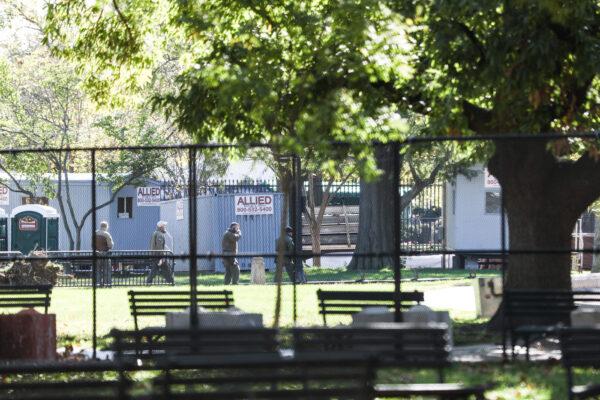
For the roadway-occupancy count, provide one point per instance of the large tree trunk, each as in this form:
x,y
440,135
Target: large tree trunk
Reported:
x,y
539,227
313,218
542,208
376,216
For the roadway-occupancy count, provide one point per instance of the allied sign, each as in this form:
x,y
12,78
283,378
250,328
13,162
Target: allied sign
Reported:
x,y
490,180
179,209
254,204
28,223
148,196
4,193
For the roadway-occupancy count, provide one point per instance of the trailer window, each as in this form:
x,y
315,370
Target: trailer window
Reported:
x,y
492,202
125,207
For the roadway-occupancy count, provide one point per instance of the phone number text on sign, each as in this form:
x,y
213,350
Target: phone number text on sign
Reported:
x,y
254,204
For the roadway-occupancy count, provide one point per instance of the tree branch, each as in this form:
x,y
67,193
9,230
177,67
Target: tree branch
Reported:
x,y
478,118
19,187
123,19
473,39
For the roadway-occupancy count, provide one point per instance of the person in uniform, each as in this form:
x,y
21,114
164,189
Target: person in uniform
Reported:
x,y
158,242
288,260
229,246
104,244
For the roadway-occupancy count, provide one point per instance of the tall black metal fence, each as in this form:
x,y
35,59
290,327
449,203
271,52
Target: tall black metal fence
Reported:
x,y
417,229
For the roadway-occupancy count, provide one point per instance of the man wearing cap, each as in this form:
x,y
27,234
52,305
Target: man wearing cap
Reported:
x,y
158,242
229,246
104,244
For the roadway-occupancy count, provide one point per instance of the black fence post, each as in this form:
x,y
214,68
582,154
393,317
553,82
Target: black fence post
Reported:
x,y
297,229
504,259
193,251
397,230
94,256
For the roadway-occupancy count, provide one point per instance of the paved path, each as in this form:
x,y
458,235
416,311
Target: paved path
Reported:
x,y
341,260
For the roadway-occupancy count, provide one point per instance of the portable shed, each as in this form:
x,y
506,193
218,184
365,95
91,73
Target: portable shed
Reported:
x,y
34,227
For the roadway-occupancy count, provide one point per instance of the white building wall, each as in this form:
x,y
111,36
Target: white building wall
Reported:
x,y
469,226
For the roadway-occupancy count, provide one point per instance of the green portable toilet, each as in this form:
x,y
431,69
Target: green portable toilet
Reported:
x,y
3,230
34,227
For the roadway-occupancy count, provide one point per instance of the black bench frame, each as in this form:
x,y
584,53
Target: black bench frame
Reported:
x,y
337,302
54,386
236,377
392,345
580,348
154,344
146,303
527,313
25,296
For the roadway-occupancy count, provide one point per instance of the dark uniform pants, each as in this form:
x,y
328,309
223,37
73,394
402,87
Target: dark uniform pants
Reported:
x,y
103,270
300,277
232,270
161,267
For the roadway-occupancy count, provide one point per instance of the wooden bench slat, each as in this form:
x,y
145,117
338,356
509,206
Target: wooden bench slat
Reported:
x,y
351,302
177,292
25,297
424,389
267,378
232,341
161,302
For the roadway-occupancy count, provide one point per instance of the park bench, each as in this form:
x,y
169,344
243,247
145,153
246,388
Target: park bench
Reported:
x,y
156,343
580,348
265,377
351,302
531,313
409,346
63,381
159,303
490,263
25,297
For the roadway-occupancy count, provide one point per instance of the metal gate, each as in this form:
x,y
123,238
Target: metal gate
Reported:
x,y
423,220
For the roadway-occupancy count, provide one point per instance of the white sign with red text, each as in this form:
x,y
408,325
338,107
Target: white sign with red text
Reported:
x,y
254,204
148,196
4,193
490,180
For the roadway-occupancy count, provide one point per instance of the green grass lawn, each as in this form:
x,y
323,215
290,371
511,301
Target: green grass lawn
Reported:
x,y
344,275
73,306
522,381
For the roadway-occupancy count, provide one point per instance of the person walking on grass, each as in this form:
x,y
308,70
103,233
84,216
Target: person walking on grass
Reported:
x,y
104,244
158,243
229,246
295,272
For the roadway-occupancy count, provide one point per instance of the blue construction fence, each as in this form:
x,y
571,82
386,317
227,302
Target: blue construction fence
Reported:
x,y
215,213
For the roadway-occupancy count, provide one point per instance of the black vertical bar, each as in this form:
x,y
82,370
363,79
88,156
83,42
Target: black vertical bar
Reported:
x,y
192,244
504,255
444,222
397,230
297,228
94,256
